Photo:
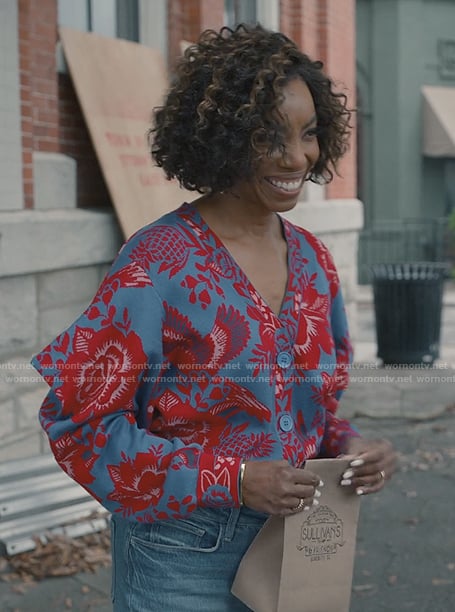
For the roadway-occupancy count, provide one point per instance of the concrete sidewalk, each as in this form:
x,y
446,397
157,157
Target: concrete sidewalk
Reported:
x,y
405,556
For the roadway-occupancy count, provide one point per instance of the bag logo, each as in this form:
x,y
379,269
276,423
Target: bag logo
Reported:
x,y
321,534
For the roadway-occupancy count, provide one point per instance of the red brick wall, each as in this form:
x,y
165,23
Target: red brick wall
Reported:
x,y
325,29
339,28
188,18
51,116
299,19
39,114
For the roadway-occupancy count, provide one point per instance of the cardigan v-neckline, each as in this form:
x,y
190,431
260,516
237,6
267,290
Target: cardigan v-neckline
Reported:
x,y
256,296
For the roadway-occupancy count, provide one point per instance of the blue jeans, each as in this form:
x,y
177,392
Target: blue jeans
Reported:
x,y
183,565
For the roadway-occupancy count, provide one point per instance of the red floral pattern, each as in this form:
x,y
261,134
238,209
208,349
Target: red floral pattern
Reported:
x,y
313,333
138,481
101,371
171,376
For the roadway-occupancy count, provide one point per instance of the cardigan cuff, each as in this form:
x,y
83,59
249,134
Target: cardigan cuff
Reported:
x,y
218,481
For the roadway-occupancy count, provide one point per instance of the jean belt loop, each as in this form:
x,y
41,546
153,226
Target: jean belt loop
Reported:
x,y
231,524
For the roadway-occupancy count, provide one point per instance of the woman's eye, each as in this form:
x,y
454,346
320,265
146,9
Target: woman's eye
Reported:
x,y
310,134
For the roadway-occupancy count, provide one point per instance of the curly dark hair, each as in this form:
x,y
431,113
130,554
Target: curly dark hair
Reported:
x,y
221,112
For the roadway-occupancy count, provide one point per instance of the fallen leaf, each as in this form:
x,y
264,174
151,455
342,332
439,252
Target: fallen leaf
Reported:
x,y
7,577
60,556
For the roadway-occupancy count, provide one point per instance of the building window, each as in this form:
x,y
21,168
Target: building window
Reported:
x,y
113,18
446,57
239,11
128,19
265,12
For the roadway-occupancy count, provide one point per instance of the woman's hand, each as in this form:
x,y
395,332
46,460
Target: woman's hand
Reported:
x,y
372,463
275,487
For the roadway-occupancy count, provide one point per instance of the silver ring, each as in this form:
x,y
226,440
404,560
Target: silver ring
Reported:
x,y
382,475
299,506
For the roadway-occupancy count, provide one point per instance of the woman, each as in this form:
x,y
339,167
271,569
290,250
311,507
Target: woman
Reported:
x,y
208,367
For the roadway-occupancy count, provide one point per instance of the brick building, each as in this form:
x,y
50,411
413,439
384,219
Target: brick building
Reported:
x,y
58,230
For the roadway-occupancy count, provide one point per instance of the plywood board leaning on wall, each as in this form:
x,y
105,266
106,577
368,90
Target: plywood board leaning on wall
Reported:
x,y
118,84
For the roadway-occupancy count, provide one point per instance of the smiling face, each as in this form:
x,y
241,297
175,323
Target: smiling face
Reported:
x,y
280,175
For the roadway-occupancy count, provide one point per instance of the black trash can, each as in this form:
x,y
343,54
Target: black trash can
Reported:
x,y
408,307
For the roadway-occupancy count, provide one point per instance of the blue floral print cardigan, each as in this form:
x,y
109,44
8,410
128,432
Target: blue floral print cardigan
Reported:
x,y
178,370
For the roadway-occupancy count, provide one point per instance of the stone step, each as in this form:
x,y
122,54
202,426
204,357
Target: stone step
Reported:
x,y
38,500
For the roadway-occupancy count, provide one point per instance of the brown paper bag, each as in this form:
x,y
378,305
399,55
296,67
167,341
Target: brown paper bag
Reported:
x,y
304,562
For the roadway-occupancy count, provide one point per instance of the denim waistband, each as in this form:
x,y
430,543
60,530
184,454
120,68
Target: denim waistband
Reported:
x,y
230,517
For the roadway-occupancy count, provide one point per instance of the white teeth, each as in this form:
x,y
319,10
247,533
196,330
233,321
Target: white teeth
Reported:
x,y
286,185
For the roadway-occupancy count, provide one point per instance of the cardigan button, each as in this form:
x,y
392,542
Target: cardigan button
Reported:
x,y
284,359
285,422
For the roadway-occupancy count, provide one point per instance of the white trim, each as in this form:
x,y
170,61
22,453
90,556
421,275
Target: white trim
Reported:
x,y
153,24
104,18
268,13
72,14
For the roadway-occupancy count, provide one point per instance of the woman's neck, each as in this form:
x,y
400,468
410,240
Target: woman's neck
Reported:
x,y
234,219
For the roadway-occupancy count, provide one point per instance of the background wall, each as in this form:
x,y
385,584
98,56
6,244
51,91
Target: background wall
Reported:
x,y
58,231
398,51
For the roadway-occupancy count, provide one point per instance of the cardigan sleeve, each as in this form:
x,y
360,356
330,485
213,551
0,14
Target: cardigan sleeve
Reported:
x,y
96,370
338,430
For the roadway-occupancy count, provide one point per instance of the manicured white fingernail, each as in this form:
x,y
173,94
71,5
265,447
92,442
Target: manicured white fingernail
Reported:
x,y
348,474
360,491
317,493
356,462
346,482
321,483
315,502
306,507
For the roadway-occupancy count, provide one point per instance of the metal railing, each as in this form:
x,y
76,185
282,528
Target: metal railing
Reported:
x,y
404,240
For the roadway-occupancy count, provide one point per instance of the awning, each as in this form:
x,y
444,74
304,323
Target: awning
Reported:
x,y
438,121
